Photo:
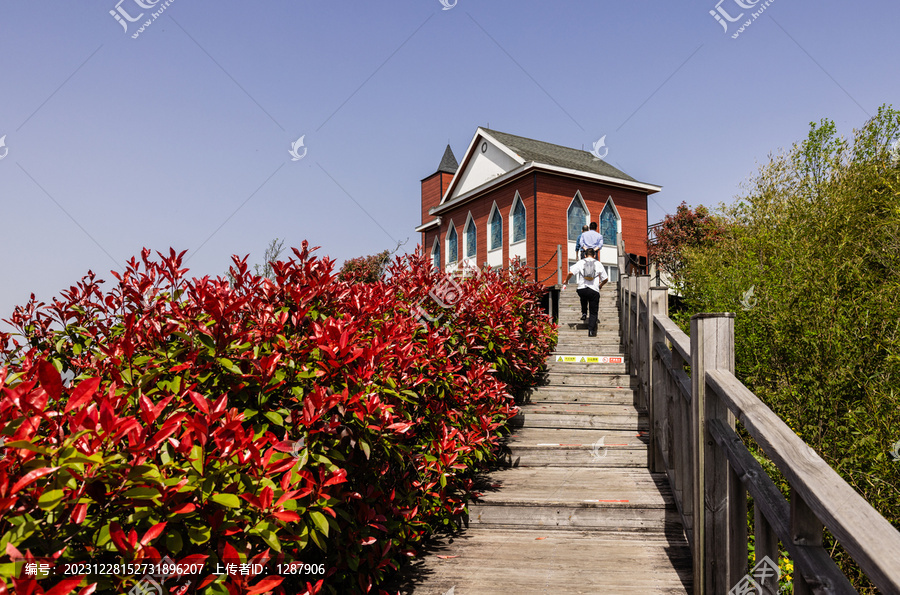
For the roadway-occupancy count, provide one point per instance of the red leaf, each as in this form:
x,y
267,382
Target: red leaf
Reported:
x,y
367,541
265,585
185,508
13,553
198,400
339,476
82,393
286,515
230,555
119,538
50,379
30,477
152,533
88,590
79,513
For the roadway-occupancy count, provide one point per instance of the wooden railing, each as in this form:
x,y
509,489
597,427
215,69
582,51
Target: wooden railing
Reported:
x,y
692,439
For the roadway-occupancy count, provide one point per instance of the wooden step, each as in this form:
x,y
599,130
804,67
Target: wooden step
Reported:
x,y
605,380
587,415
531,561
577,394
595,498
594,368
542,447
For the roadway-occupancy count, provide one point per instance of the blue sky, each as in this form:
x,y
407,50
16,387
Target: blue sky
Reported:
x,y
181,137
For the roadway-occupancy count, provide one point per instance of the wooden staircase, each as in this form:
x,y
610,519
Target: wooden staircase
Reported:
x,y
576,510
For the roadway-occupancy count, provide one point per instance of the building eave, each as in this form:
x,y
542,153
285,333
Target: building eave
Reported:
x,y
523,169
436,222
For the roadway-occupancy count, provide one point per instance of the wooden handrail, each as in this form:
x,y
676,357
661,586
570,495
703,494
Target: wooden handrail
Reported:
x,y
711,471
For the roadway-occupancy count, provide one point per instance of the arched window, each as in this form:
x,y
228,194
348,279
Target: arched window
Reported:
x,y
452,252
577,217
609,224
518,221
436,254
495,227
470,238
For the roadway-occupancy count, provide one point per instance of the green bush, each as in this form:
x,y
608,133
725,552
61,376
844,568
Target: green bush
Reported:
x,y
810,262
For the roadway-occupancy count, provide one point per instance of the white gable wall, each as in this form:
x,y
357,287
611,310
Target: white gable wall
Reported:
x,y
483,167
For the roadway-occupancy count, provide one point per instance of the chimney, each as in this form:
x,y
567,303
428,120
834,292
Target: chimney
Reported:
x,y
434,186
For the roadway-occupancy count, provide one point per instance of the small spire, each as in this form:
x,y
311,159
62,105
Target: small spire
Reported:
x,y
448,162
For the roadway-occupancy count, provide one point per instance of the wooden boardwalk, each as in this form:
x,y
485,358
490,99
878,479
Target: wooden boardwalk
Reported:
x,y
576,511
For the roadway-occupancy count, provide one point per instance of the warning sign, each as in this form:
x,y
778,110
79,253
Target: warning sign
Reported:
x,y
589,359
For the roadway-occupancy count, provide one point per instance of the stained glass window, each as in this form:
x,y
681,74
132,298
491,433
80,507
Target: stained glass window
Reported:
x,y
609,225
518,222
436,255
470,239
451,245
496,231
577,216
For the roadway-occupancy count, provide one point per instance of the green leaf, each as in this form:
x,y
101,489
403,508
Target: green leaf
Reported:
x,y
50,499
199,535
274,418
228,500
367,450
197,458
271,540
142,493
320,521
174,542
229,365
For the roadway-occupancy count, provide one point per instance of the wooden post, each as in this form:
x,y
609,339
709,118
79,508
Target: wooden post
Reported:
x,y
766,541
559,264
641,350
632,321
658,303
806,530
712,348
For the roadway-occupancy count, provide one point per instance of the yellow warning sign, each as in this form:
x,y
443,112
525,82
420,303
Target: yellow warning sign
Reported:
x,y
589,359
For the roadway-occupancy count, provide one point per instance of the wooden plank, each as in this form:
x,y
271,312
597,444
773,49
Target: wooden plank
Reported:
x,y
866,535
680,341
712,348
766,544
769,502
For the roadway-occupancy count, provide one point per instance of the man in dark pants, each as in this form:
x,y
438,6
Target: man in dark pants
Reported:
x,y
591,277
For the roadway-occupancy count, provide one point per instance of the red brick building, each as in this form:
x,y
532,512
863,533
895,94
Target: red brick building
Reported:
x,y
514,197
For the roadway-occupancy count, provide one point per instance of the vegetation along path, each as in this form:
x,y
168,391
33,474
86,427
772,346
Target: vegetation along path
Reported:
x,y
576,510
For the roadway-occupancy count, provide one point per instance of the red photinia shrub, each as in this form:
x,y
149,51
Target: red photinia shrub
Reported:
x,y
687,227
213,423
365,269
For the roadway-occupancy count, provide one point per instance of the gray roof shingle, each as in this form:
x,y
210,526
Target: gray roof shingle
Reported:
x,y
550,154
448,162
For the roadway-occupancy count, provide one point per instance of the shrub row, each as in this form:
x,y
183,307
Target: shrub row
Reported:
x,y
266,421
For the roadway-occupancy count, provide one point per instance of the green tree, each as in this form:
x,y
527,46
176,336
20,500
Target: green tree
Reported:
x,y
810,261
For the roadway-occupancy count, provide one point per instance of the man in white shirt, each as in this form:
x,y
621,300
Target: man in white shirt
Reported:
x,y
591,277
